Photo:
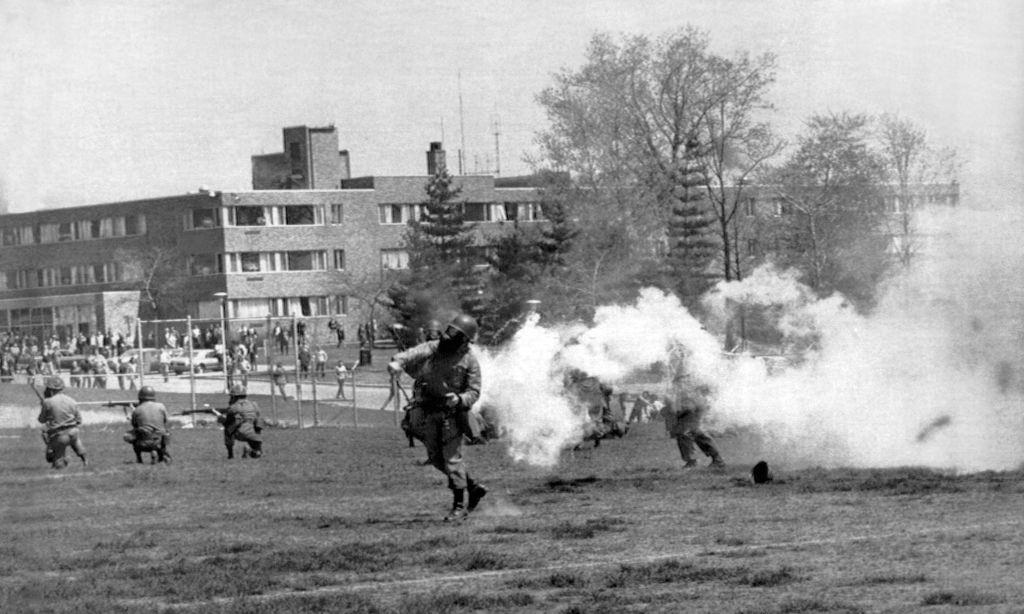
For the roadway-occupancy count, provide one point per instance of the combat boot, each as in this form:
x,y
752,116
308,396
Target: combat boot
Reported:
x,y
458,512
690,464
476,492
717,463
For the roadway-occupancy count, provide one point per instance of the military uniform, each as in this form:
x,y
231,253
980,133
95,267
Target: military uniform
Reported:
x,y
61,419
150,430
682,421
242,423
447,384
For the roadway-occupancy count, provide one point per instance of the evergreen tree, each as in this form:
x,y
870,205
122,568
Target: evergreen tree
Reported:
x,y
441,276
691,244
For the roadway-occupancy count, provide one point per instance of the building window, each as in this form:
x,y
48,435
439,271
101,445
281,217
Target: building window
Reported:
x,y
249,262
337,213
202,218
11,236
300,215
339,259
47,233
203,264
245,215
305,261
66,231
529,212
391,214
134,225
476,212
341,305
392,259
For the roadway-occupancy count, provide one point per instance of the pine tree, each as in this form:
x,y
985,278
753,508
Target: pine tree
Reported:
x,y
441,275
691,244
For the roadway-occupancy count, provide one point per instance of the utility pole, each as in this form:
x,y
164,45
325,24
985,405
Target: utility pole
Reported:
x,y
462,128
496,126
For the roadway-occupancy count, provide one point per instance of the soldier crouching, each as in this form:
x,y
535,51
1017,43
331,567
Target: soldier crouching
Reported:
x,y
242,423
60,418
150,431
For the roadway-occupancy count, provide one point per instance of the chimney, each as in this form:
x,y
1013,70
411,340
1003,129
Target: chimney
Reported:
x,y
435,159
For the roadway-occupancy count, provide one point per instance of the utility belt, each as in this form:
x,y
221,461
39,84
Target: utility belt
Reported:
x,y
57,429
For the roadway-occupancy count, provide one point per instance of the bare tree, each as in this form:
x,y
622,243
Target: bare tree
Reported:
x,y
913,167
738,146
623,125
831,193
158,270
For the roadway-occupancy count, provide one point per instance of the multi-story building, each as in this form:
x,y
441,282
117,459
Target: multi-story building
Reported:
x,y
281,249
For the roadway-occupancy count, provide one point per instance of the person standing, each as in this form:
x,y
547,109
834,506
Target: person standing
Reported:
x,y
683,416
305,358
280,378
447,384
60,419
321,363
242,423
341,376
150,432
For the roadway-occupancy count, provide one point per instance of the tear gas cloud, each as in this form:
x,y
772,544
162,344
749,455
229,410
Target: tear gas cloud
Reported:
x,y
934,376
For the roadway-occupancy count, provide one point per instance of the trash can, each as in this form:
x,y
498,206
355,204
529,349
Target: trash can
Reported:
x,y
365,357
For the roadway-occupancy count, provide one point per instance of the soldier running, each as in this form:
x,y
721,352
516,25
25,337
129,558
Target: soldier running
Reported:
x,y
447,384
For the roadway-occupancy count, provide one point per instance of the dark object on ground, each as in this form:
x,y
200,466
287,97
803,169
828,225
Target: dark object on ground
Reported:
x,y
761,473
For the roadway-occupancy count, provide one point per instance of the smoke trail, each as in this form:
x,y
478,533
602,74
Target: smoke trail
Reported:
x,y
523,381
933,377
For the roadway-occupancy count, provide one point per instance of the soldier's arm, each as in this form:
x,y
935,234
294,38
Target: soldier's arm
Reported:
x,y
471,392
408,360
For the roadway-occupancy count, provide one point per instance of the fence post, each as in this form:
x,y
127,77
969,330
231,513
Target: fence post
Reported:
x,y
355,410
142,359
316,413
397,402
298,374
191,369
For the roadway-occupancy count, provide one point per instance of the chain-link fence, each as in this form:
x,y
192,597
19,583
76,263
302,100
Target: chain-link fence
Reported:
x,y
306,370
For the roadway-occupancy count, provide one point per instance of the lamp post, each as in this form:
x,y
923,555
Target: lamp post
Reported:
x,y
223,296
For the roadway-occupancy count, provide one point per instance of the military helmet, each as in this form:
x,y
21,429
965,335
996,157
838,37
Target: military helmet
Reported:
x,y
434,325
237,390
54,383
147,393
465,324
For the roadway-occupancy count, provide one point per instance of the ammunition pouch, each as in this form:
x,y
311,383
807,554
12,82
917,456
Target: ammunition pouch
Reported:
x,y
414,423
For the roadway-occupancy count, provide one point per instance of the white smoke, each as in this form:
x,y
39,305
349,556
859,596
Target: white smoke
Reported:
x,y
523,381
933,377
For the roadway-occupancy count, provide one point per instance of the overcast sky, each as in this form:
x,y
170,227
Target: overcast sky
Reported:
x,y
102,101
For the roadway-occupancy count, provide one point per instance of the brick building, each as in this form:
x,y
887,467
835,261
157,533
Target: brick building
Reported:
x,y
281,249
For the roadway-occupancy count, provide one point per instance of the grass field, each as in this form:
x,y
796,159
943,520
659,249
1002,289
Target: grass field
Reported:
x,y
345,520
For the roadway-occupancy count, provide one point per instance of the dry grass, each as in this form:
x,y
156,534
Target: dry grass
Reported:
x,y
344,520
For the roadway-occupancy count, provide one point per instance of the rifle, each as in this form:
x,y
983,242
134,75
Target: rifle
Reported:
x,y
124,405
205,409
32,385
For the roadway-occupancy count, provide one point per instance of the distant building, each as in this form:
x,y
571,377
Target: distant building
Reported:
x,y
279,250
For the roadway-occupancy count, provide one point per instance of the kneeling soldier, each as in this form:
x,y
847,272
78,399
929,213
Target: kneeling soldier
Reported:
x,y
61,419
242,423
149,427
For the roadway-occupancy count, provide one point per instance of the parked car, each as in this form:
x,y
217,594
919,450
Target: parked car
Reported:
x,y
150,358
202,360
65,358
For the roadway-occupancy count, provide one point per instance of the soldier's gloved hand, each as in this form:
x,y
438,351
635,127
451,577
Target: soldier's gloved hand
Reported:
x,y
394,368
451,400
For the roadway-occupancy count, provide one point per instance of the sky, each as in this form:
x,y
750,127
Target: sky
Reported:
x,y
106,100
